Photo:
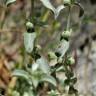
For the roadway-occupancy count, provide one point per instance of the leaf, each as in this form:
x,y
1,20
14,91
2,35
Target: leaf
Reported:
x,y
29,39
81,9
49,79
43,65
8,2
48,5
23,74
62,48
58,10
60,69
35,81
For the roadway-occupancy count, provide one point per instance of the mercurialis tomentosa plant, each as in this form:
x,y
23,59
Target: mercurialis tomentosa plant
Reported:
x,y
37,77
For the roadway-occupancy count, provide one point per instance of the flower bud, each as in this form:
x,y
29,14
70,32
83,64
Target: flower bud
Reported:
x,y
38,47
15,93
25,94
29,25
71,60
67,1
52,55
66,34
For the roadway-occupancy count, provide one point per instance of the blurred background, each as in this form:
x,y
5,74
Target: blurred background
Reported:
x,y
83,39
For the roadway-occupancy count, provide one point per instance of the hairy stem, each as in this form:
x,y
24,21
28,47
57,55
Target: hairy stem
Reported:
x,y
32,11
69,17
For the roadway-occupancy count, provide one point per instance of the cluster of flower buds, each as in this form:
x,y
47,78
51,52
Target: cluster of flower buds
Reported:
x,y
66,34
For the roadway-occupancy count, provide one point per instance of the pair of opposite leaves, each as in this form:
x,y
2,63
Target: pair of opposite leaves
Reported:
x,y
57,10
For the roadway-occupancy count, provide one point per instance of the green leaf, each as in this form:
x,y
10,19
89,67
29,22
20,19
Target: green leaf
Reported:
x,y
58,10
8,2
81,13
62,48
29,40
60,69
43,65
49,79
35,81
22,74
48,5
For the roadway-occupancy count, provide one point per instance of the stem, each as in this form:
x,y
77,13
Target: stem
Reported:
x,y
68,20
32,10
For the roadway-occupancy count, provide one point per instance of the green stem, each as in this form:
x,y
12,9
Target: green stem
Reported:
x,y
69,17
32,11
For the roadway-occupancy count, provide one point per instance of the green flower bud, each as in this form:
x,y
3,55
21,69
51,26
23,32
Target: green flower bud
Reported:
x,y
52,55
26,94
15,93
29,25
71,60
38,47
66,34
67,1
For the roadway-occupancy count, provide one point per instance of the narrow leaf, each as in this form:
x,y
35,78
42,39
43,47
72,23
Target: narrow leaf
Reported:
x,y
23,74
58,10
81,9
49,79
48,4
35,81
8,2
